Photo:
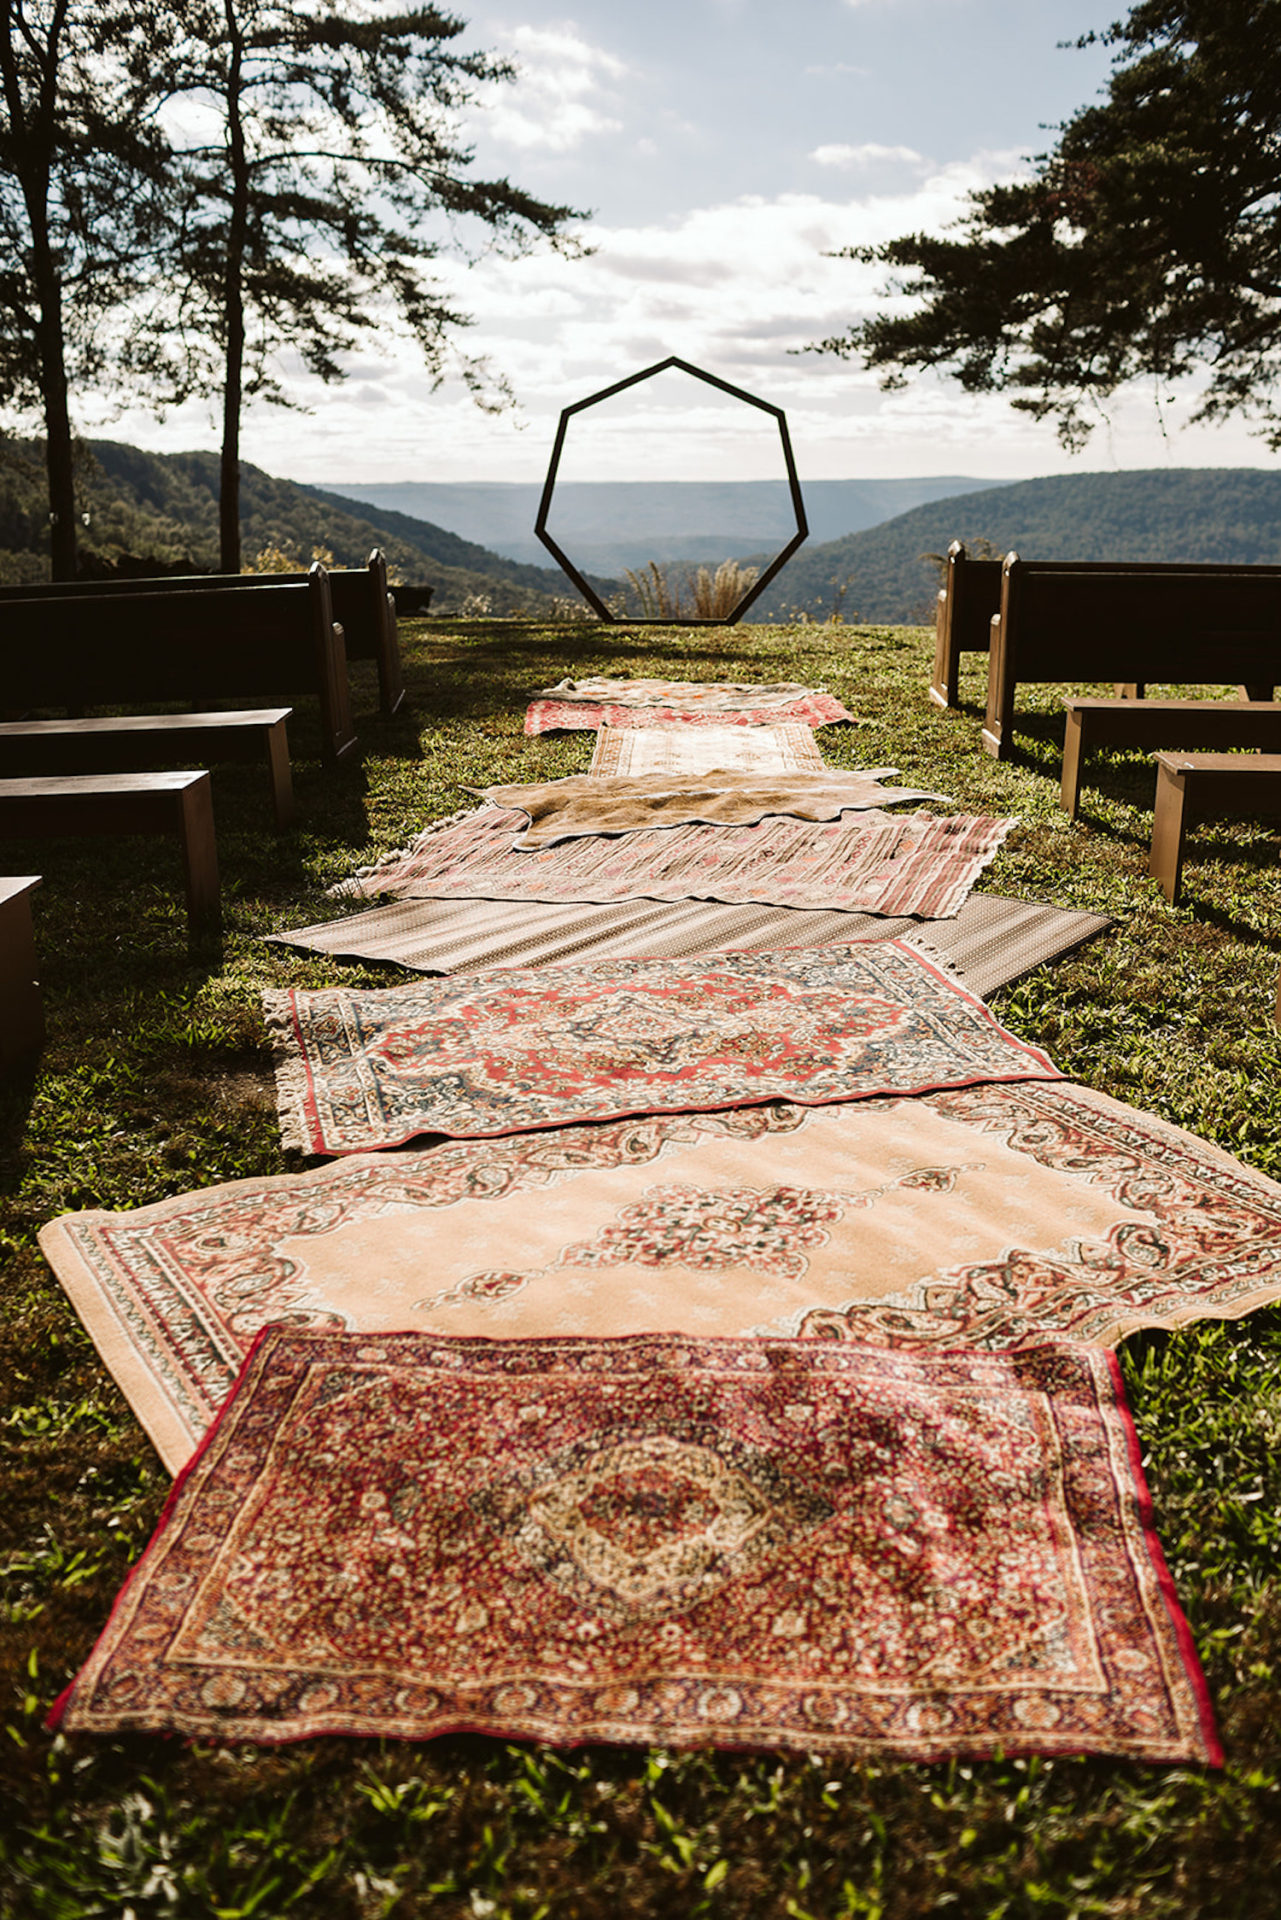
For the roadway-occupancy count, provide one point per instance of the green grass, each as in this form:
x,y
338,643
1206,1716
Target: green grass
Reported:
x,y
156,1079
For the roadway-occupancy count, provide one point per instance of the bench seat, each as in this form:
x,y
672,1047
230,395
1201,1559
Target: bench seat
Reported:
x,y
1192,787
134,742
1161,723
21,1005
180,804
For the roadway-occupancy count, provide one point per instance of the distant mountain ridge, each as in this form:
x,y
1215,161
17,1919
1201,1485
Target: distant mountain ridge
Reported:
x,y
1182,513
165,507
611,525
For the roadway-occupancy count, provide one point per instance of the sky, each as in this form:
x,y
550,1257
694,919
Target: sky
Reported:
x,y
723,149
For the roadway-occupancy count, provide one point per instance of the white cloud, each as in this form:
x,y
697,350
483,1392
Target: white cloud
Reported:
x,y
564,92
867,155
734,288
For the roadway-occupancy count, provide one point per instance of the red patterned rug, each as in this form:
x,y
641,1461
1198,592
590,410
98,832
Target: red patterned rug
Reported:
x,y
519,1049
915,863
766,1544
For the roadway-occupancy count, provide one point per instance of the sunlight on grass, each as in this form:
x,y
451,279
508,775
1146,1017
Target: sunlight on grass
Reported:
x,y
157,1079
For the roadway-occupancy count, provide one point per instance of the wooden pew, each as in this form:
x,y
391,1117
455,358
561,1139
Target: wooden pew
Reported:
x,y
1161,723
123,648
21,1006
135,742
1130,623
967,604
1192,787
362,603
118,803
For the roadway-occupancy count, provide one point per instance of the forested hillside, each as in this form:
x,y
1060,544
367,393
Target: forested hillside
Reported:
x,y
164,507
1210,513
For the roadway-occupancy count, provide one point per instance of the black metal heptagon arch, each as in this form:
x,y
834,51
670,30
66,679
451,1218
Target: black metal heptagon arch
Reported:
x,y
794,486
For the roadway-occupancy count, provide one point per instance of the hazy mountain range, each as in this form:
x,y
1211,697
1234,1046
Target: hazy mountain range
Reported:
x,y
164,507
610,525
1181,513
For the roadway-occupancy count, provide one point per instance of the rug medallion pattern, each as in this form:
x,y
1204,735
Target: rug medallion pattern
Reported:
x,y
517,1049
997,1217
764,1544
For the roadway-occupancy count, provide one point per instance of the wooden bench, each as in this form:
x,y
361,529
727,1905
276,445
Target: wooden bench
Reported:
x,y
1192,787
134,742
361,599
967,604
1161,723
122,647
21,1006
360,596
1132,623
115,803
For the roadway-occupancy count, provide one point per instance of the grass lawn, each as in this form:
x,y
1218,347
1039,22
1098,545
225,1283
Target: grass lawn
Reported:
x,y
156,1079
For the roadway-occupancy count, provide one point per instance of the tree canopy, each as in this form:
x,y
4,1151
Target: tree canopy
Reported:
x,y
1145,244
316,173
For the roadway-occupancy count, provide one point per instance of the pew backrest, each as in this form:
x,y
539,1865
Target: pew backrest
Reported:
x,y
361,598
198,646
1195,624
969,598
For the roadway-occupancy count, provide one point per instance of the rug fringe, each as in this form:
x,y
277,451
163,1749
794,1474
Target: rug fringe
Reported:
x,y
290,1068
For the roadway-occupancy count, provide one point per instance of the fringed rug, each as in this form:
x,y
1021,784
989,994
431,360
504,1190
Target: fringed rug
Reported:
x,y
913,863
996,1217
588,803
698,1543
565,716
522,1048
990,942
689,696
640,750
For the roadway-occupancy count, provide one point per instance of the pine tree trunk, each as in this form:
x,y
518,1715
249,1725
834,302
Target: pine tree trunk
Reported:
x,y
58,455
233,307
31,143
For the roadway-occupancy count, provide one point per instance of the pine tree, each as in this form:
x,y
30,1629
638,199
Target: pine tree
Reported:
x,y
1146,244
320,177
78,208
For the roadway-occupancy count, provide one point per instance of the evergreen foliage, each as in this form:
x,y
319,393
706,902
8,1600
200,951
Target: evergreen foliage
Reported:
x,y
1146,244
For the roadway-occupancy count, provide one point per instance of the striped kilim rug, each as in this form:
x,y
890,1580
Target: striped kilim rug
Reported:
x,y
523,1048
873,862
990,942
690,1542
997,1217
639,750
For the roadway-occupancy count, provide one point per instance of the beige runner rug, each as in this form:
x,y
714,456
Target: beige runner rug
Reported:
x,y
996,1216
633,751
990,942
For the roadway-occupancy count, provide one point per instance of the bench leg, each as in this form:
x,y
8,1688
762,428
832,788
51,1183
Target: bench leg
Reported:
x,y
1130,689
1169,827
200,863
945,685
22,1029
282,780
1256,691
1070,790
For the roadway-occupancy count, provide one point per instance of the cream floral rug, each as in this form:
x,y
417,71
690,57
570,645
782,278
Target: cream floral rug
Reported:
x,y
994,1217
